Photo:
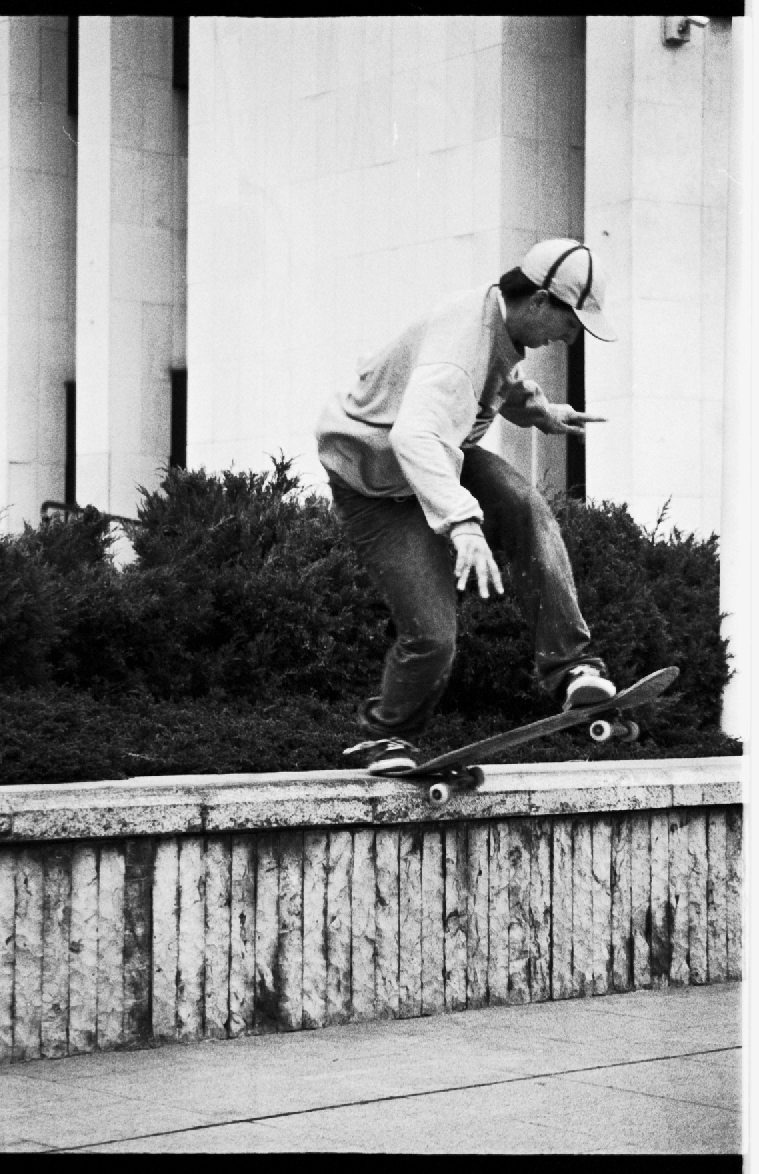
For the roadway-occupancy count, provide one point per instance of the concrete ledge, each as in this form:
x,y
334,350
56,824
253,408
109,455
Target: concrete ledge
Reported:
x,y
164,909
197,804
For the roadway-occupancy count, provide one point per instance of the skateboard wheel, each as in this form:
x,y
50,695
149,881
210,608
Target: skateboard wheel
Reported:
x,y
631,732
439,793
601,731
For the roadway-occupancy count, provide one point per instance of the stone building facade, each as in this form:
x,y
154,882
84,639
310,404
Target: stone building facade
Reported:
x,y
205,222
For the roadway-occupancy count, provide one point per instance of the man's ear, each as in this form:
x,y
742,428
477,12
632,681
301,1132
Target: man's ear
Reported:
x,y
539,299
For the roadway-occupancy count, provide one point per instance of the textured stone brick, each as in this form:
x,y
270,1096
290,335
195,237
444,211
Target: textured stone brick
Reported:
x,y
601,917
242,959
582,908
363,925
410,923
562,909
520,848
454,933
640,846
7,948
477,915
315,849
386,879
679,972
55,951
339,868
734,853
191,954
138,901
540,910
697,897
290,930
83,946
433,903
165,939
498,913
716,896
267,933
217,936
110,953
621,904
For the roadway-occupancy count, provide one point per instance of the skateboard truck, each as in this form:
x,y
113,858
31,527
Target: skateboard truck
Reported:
x,y
603,731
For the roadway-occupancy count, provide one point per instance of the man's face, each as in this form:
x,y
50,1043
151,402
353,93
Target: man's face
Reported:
x,y
544,322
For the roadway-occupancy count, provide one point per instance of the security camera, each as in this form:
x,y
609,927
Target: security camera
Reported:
x,y
676,29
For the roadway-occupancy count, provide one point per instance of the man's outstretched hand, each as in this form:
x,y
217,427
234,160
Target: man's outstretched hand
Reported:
x,y
563,419
474,554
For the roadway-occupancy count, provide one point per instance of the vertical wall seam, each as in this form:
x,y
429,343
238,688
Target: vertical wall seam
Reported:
x,y
551,892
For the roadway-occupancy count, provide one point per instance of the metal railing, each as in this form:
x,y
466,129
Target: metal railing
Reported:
x,y
72,509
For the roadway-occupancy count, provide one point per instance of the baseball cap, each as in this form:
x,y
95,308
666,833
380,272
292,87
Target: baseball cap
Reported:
x,y
569,271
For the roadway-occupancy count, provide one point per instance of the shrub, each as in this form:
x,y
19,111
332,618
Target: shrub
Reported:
x,y
59,734
28,625
246,604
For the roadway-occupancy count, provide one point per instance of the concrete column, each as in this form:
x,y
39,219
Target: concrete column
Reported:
x,y
130,255
37,263
735,531
542,190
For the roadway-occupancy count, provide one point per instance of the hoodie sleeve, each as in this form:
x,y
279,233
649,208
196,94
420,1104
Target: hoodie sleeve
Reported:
x,y
438,410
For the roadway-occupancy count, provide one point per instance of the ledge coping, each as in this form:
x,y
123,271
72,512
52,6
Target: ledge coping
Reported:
x,y
205,804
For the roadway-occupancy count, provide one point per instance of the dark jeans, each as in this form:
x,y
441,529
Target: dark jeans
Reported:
x,y
412,567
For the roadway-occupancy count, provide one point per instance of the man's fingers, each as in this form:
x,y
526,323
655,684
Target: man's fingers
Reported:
x,y
473,553
487,572
495,574
590,419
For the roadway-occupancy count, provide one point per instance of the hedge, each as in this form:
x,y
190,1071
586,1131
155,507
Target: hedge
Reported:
x,y
244,636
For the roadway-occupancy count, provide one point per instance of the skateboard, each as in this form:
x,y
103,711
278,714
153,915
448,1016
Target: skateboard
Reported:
x,y
456,770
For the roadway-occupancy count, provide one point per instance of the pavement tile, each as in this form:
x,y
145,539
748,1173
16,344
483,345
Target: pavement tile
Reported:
x,y
24,1146
714,1086
447,1123
252,1082
623,1117
545,1116
103,1100
42,1114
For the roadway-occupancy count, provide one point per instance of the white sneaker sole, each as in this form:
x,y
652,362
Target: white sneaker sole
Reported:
x,y
590,692
389,766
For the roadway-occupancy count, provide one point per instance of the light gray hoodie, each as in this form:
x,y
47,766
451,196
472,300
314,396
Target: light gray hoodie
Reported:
x,y
423,399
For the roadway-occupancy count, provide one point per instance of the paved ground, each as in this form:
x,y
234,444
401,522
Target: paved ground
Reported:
x,y
651,1072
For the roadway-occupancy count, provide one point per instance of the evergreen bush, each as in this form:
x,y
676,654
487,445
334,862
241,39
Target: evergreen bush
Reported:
x,y
244,636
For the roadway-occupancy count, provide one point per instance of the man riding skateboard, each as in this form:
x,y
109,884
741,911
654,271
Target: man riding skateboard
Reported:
x,y
409,477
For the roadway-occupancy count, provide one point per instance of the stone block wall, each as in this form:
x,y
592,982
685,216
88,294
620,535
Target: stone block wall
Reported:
x,y
280,903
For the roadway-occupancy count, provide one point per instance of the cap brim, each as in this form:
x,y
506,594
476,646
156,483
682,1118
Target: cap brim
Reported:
x,y
597,325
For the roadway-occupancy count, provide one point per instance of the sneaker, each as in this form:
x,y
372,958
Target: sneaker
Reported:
x,y
384,756
585,685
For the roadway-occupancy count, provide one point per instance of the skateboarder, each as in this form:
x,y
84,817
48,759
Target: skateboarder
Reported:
x,y
409,479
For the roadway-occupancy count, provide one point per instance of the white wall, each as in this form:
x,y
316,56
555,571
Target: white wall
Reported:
x,y
656,209
346,173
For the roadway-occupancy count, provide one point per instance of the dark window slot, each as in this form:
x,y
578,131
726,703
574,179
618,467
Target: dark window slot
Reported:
x,y
73,66
178,454
69,476
576,398
181,53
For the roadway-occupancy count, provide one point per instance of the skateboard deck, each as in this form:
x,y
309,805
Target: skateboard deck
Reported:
x,y
460,767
